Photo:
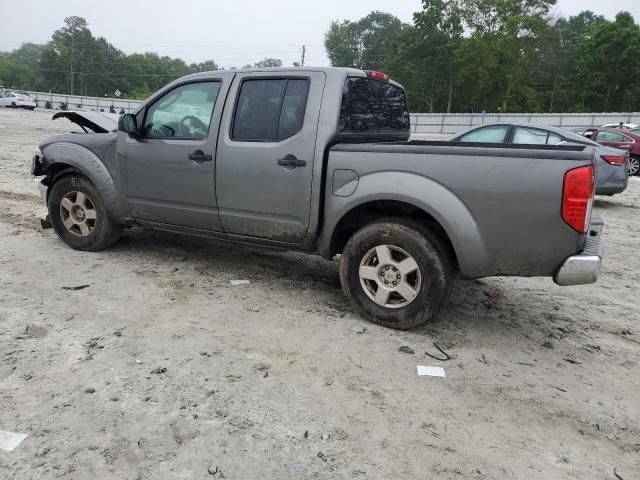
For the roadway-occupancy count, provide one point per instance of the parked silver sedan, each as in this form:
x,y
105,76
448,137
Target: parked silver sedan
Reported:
x,y
611,167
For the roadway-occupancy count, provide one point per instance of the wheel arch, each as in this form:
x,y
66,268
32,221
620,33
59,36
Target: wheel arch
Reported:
x,y
414,197
67,158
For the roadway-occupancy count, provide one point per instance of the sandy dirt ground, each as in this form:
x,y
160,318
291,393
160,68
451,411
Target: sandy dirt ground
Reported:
x,y
281,378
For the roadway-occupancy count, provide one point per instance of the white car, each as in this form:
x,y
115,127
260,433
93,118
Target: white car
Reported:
x,y
616,125
11,99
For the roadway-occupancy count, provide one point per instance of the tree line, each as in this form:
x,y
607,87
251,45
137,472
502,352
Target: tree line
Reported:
x,y
498,56
74,61
455,56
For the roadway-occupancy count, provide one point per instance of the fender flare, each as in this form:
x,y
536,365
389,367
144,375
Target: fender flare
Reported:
x,y
427,195
88,164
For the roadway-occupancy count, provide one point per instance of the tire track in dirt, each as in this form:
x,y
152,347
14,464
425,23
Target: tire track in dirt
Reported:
x,y
20,197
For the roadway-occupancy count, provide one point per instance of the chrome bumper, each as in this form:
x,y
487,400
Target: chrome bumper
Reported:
x,y
584,268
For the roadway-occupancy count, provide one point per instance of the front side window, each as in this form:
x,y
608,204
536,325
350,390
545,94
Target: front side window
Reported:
x,y
534,136
492,134
184,112
612,137
270,110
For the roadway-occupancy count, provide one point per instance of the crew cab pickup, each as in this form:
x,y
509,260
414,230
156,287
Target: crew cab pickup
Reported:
x,y
319,160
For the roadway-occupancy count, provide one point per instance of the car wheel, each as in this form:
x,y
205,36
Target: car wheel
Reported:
x,y
13,105
79,216
396,273
633,167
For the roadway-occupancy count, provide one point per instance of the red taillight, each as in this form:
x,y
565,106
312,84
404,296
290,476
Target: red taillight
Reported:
x,y
577,197
378,75
615,159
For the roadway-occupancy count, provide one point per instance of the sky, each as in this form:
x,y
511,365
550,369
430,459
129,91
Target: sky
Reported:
x,y
231,33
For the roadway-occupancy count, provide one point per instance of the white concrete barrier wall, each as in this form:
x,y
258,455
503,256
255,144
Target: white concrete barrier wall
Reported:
x,y
422,124
448,124
76,102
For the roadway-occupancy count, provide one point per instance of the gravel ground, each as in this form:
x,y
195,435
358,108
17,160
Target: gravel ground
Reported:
x,y
160,369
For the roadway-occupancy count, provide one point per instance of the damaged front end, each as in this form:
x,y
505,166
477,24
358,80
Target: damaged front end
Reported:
x,y
95,122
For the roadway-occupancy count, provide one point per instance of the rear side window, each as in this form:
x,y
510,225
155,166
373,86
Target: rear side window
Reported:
x,y
534,136
612,137
493,134
374,109
270,110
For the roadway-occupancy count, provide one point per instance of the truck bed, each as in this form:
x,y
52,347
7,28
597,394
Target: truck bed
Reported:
x,y
499,204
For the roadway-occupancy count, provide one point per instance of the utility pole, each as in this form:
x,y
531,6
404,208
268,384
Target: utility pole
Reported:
x,y
304,53
73,34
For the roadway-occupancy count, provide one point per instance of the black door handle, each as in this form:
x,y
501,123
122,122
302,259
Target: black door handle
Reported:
x,y
291,161
199,156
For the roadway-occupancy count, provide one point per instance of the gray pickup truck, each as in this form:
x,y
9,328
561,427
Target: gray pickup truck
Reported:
x,y
319,160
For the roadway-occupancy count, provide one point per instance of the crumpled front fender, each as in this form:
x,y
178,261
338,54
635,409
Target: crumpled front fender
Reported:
x,y
88,164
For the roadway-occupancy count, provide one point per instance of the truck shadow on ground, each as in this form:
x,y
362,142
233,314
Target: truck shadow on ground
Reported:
x,y
611,204
488,305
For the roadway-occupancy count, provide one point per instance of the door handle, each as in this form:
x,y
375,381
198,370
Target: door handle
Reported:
x,y
199,156
291,161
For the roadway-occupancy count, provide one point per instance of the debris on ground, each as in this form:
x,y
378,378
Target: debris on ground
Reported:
x,y
239,282
431,371
10,440
79,287
159,370
445,356
322,456
215,471
405,349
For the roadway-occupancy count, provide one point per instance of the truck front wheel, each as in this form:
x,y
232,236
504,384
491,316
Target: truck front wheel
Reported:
x,y
396,273
79,216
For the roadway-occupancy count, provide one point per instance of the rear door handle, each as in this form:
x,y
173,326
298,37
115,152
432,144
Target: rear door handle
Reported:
x,y
199,156
291,161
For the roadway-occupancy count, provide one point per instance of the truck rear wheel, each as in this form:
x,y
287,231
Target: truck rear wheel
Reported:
x,y
79,216
396,273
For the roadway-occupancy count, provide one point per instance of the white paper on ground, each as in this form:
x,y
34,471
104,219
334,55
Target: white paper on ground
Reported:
x,y
239,282
10,440
431,371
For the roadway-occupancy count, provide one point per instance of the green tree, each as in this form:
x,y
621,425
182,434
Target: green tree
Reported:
x,y
497,60
609,66
268,62
206,66
13,74
424,55
367,44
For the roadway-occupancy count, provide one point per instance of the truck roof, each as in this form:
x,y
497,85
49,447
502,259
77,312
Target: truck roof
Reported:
x,y
329,71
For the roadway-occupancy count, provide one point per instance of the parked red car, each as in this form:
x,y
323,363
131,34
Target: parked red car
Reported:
x,y
618,138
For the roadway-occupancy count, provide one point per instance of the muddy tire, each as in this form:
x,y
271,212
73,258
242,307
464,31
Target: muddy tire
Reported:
x,y
79,216
396,273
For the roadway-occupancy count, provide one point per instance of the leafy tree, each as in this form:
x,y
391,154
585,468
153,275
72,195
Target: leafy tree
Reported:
x,y
206,66
268,62
608,64
367,44
501,51
424,57
13,74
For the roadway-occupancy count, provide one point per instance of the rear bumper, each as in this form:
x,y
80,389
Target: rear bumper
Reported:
x,y
584,268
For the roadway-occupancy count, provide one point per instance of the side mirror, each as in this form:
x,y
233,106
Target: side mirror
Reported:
x,y
128,123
